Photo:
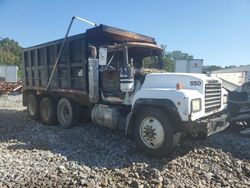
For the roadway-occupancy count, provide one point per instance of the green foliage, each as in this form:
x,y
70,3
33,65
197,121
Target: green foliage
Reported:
x,y
151,62
210,68
230,66
168,63
10,52
169,58
178,55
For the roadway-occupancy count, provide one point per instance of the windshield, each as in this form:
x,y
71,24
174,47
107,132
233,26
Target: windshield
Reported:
x,y
141,57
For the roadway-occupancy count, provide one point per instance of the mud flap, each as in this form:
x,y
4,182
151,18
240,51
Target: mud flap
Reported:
x,y
128,124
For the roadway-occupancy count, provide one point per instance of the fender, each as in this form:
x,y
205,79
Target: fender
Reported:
x,y
166,105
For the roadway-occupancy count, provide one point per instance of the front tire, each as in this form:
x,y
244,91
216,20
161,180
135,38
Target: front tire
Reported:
x,y
67,113
153,132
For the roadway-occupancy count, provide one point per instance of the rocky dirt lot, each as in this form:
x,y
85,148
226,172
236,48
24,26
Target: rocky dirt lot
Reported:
x,y
33,155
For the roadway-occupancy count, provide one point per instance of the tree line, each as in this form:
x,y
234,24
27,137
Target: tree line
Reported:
x,y
10,53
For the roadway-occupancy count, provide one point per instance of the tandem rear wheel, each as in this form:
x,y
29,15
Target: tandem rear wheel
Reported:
x,y
67,113
51,110
47,109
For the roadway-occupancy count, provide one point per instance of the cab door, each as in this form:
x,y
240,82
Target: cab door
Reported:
x,y
110,77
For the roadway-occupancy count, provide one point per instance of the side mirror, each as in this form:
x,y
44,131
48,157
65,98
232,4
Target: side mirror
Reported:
x,y
103,56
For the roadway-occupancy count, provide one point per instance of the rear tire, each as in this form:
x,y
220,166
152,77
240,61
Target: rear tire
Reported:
x,y
47,109
153,132
32,106
67,113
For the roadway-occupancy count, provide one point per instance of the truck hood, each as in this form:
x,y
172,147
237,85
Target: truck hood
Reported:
x,y
169,80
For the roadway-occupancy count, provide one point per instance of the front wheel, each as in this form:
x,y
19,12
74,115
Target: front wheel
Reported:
x,y
153,132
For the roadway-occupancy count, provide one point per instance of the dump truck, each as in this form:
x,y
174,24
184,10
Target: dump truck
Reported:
x,y
236,81
115,78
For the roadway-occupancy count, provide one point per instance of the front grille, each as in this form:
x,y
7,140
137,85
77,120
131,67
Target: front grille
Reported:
x,y
212,97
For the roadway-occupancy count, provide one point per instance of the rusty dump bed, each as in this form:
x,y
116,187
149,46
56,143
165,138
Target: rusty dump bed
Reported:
x,y
104,34
107,33
71,75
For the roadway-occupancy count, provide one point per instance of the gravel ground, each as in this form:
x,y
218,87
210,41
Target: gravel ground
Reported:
x,y
33,155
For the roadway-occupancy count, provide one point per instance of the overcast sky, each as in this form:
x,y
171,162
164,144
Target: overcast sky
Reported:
x,y
217,31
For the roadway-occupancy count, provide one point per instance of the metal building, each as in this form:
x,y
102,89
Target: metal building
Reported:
x,y
8,73
189,66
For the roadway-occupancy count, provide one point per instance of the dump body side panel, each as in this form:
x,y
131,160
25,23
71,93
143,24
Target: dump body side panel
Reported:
x,y
71,75
71,72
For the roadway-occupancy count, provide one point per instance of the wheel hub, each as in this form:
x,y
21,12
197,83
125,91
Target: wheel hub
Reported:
x,y
151,132
66,112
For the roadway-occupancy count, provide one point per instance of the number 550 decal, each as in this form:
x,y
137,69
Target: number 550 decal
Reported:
x,y
195,83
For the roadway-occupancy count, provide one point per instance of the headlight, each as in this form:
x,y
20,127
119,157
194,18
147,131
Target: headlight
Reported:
x,y
224,99
196,105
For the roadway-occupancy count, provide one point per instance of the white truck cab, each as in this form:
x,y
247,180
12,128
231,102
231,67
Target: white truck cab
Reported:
x,y
159,105
194,95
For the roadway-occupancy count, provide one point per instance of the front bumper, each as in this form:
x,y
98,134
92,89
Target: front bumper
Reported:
x,y
208,126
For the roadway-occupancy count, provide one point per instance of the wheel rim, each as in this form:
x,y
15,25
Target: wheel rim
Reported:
x,y
151,132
